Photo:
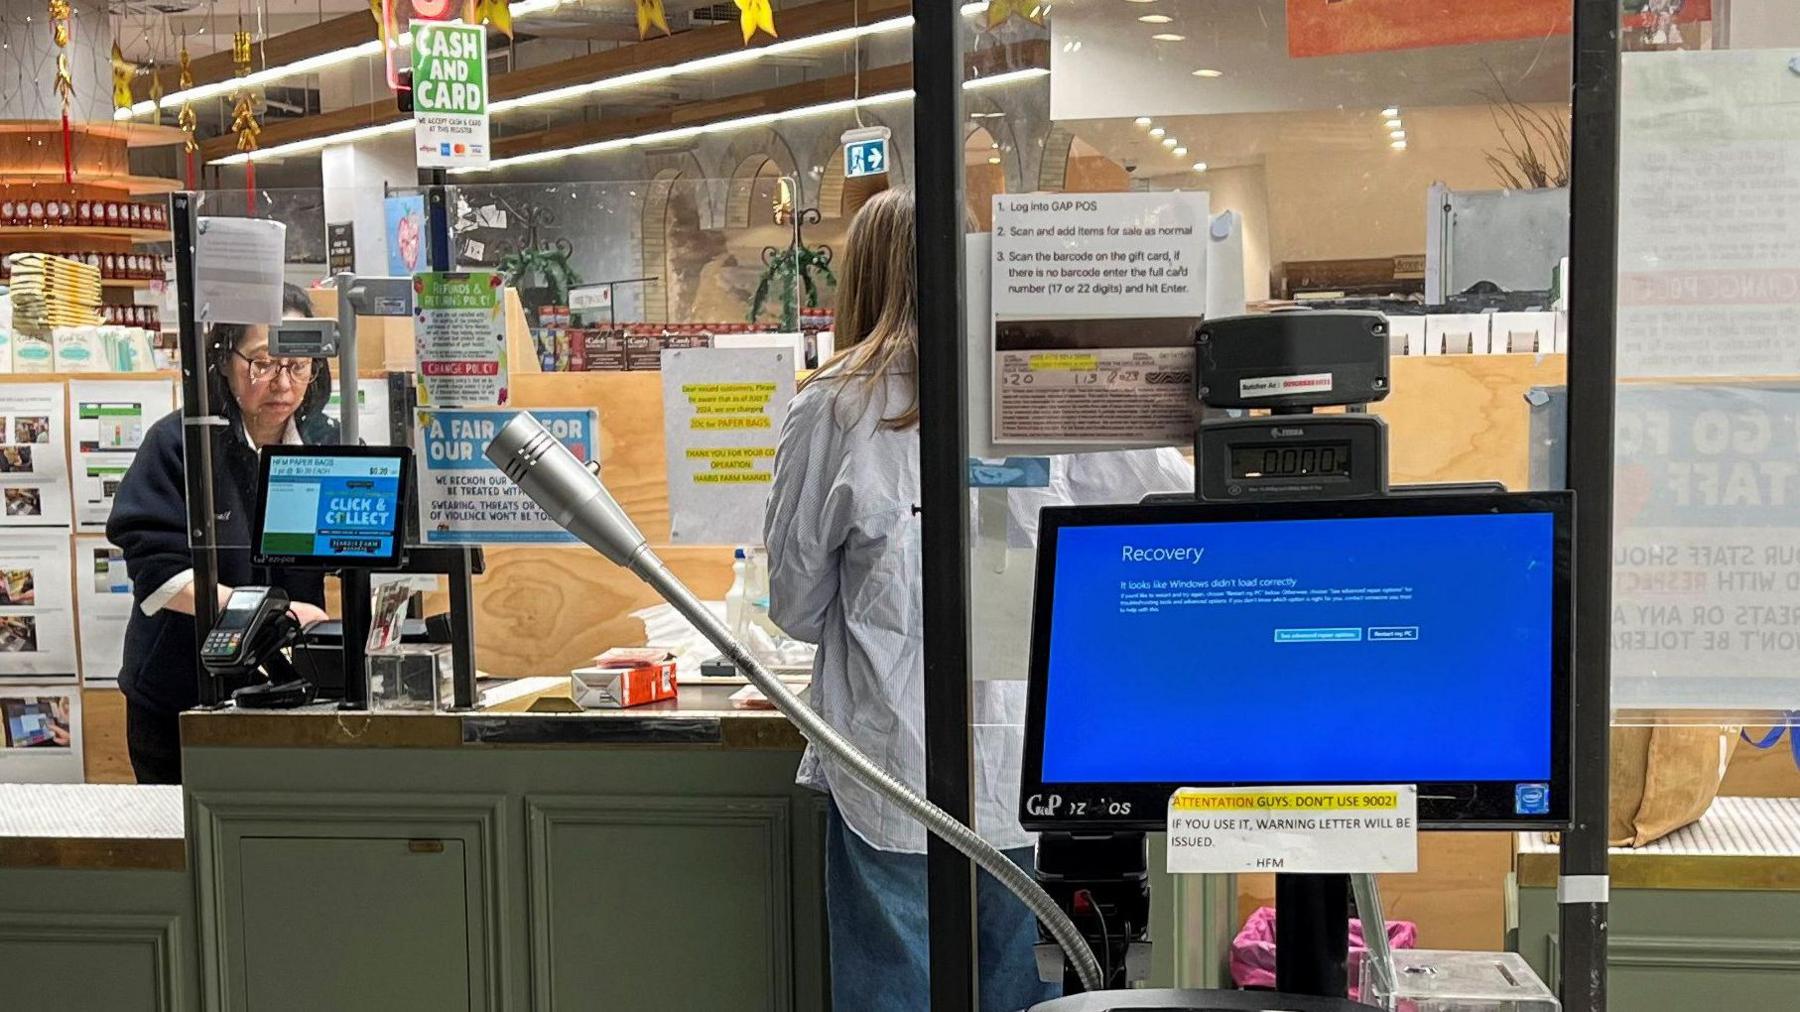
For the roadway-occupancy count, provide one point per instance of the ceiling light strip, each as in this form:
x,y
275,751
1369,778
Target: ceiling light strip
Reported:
x,y
741,122
703,64
305,65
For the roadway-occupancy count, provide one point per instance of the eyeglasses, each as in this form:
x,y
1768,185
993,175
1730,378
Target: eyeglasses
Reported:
x,y
262,370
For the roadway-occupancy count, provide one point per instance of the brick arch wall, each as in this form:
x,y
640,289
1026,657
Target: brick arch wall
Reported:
x,y
653,228
746,156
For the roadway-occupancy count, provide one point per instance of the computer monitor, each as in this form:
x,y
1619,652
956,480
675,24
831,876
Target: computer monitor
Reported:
x,y
332,507
1407,640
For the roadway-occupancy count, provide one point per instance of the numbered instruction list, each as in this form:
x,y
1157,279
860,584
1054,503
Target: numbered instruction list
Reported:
x,y
1095,300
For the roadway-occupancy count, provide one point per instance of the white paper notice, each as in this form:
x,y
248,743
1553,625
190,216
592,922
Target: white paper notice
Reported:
x,y
239,269
1095,298
40,734
37,610
1709,219
103,600
722,415
1307,830
1100,254
459,329
110,418
34,469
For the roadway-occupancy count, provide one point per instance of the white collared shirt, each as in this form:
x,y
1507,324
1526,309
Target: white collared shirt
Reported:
x,y
845,572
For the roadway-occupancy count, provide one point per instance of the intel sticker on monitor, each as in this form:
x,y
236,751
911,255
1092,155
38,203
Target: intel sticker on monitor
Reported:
x,y
1531,799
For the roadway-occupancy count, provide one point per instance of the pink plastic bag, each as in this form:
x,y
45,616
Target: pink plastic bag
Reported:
x,y
1253,950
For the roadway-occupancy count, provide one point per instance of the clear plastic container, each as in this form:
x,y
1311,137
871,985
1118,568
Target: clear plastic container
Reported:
x,y
410,676
1432,980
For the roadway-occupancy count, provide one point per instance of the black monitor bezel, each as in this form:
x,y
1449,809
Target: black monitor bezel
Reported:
x,y
1464,805
401,454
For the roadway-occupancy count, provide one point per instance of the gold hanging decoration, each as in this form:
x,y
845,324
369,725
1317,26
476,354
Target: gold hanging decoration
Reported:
x,y
59,32
1000,11
123,71
756,16
156,88
490,12
186,118
243,109
650,12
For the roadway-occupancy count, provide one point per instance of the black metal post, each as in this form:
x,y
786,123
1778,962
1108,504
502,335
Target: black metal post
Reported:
x,y
437,220
1582,889
943,478
196,439
462,629
1312,935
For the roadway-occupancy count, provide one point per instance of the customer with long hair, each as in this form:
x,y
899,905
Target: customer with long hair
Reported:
x,y
842,531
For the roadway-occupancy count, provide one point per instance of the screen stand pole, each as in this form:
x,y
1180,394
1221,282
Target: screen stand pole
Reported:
x,y
1312,935
354,587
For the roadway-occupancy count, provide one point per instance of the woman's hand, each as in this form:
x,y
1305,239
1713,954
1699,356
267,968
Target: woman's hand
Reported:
x,y
307,614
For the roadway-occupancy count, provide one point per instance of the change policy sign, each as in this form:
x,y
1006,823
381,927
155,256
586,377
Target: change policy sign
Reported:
x,y
450,94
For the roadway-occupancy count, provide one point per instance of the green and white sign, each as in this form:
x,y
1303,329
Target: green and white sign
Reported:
x,y
450,94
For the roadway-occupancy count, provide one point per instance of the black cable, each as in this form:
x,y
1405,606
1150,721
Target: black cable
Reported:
x,y
1105,936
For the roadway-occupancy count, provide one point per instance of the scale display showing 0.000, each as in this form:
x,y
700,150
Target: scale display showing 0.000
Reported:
x,y
1302,460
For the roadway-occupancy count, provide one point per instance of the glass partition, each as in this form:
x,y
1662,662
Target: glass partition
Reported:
x,y
1185,162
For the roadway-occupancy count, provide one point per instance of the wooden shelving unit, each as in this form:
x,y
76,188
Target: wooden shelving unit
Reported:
x,y
135,235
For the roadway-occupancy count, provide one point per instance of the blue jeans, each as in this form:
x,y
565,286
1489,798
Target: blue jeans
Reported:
x,y
880,948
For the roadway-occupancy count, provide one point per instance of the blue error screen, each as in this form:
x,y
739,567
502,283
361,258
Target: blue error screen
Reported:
x,y
340,507
1371,650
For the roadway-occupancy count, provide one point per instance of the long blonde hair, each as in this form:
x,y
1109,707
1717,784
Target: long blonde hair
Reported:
x,y
877,322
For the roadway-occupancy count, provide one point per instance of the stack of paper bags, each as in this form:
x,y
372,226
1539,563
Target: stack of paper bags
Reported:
x,y
51,291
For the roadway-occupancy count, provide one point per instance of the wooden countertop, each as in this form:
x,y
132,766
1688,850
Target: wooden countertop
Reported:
x,y
91,826
701,717
1741,844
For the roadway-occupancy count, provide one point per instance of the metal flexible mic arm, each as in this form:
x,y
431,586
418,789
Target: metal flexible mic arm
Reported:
x,y
574,496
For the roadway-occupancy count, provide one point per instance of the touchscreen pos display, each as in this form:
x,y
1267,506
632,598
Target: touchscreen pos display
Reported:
x,y
1409,640
329,507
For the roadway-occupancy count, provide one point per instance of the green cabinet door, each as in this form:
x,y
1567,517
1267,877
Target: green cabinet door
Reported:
x,y
351,923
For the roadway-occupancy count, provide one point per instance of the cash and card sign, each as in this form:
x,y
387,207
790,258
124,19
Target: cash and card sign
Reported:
x,y
1310,830
450,94
459,330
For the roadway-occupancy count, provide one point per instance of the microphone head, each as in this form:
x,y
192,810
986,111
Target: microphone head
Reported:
x,y
563,487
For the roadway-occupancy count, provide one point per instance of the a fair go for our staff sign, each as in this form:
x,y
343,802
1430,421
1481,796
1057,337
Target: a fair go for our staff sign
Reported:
x,y
450,94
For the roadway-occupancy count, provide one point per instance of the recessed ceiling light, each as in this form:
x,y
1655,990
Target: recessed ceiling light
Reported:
x,y
1169,142
1168,37
1142,121
1395,123
1158,132
1140,1
1398,145
994,160
1156,19
1398,135
1199,166
1208,72
1390,112
1181,152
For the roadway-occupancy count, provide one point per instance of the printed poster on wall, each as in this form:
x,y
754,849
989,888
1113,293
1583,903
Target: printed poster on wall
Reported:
x,y
722,415
110,418
1095,299
404,233
37,610
1709,218
103,606
1706,569
34,470
459,332
465,500
40,734
450,94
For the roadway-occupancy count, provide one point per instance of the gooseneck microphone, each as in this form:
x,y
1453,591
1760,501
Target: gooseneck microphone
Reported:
x,y
574,496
